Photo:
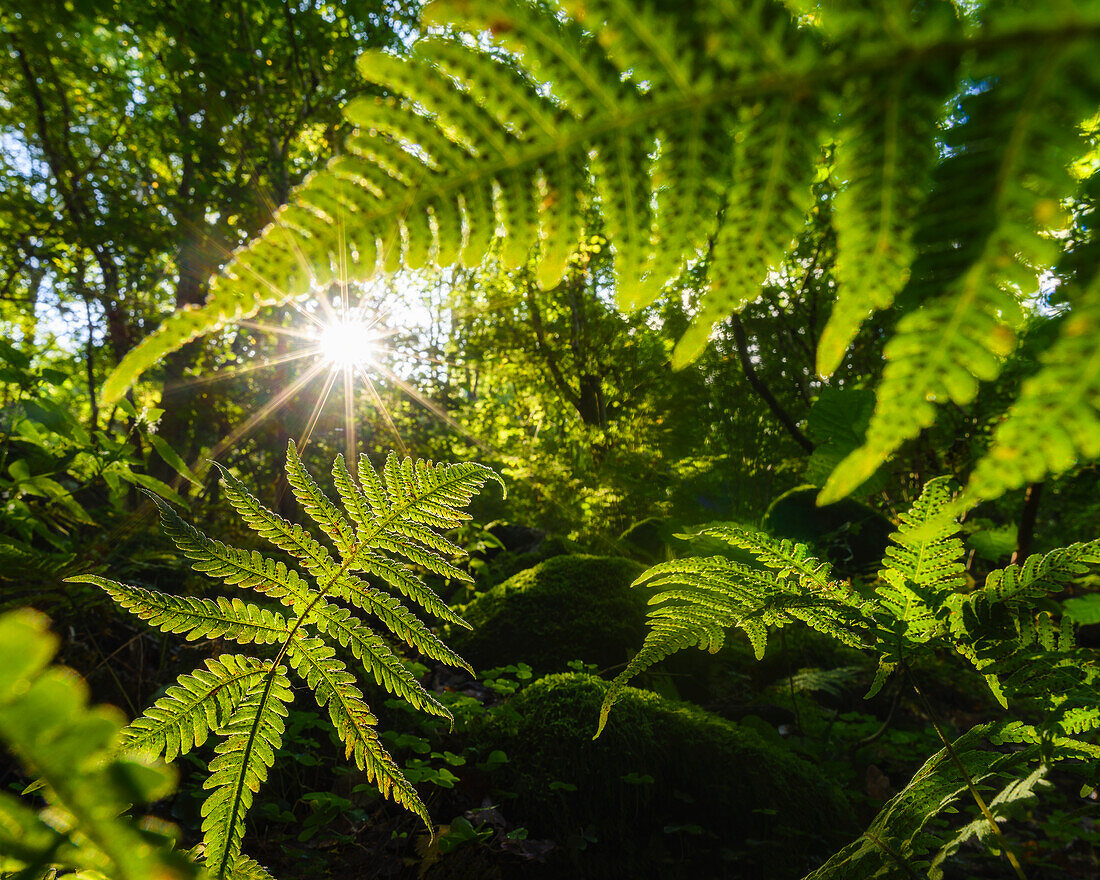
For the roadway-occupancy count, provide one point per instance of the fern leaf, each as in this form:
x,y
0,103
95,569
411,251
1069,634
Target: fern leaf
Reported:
x,y
698,599
784,556
983,244
245,868
395,616
898,842
1055,421
1040,573
280,532
334,688
242,760
639,43
361,509
766,207
885,161
472,141
319,563
921,568
377,658
925,551
316,504
195,705
239,568
198,618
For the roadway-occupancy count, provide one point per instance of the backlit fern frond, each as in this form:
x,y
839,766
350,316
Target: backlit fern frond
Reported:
x,y
697,132
787,558
993,626
884,166
241,762
923,564
335,689
697,600
199,618
903,840
242,700
1055,421
983,242
919,609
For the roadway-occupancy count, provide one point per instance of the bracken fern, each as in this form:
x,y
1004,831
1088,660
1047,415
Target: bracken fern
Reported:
x,y
697,131
242,699
920,604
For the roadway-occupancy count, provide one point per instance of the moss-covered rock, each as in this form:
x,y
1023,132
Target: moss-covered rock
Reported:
x,y
667,791
511,562
571,607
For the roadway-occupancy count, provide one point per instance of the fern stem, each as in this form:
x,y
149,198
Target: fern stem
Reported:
x,y
1009,854
892,853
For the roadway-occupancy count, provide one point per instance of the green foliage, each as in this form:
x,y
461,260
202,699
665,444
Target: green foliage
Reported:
x,y
921,604
699,134
69,746
904,840
661,764
60,477
243,699
566,608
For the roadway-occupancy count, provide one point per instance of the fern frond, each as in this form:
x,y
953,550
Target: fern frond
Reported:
x,y
334,688
983,245
922,567
766,206
316,504
280,532
241,763
244,699
696,600
197,618
899,840
376,657
925,551
1055,421
237,568
699,129
198,703
1041,573
786,557
884,163
245,868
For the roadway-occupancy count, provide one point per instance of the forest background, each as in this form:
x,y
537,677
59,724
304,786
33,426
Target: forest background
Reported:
x,y
142,147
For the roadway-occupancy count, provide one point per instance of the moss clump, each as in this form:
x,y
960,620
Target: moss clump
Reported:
x,y
511,562
567,608
667,791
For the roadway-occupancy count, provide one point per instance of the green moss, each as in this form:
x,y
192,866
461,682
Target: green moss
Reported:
x,y
566,608
668,790
509,563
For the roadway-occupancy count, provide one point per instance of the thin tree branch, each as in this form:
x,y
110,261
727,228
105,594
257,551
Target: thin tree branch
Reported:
x,y
1025,534
762,390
